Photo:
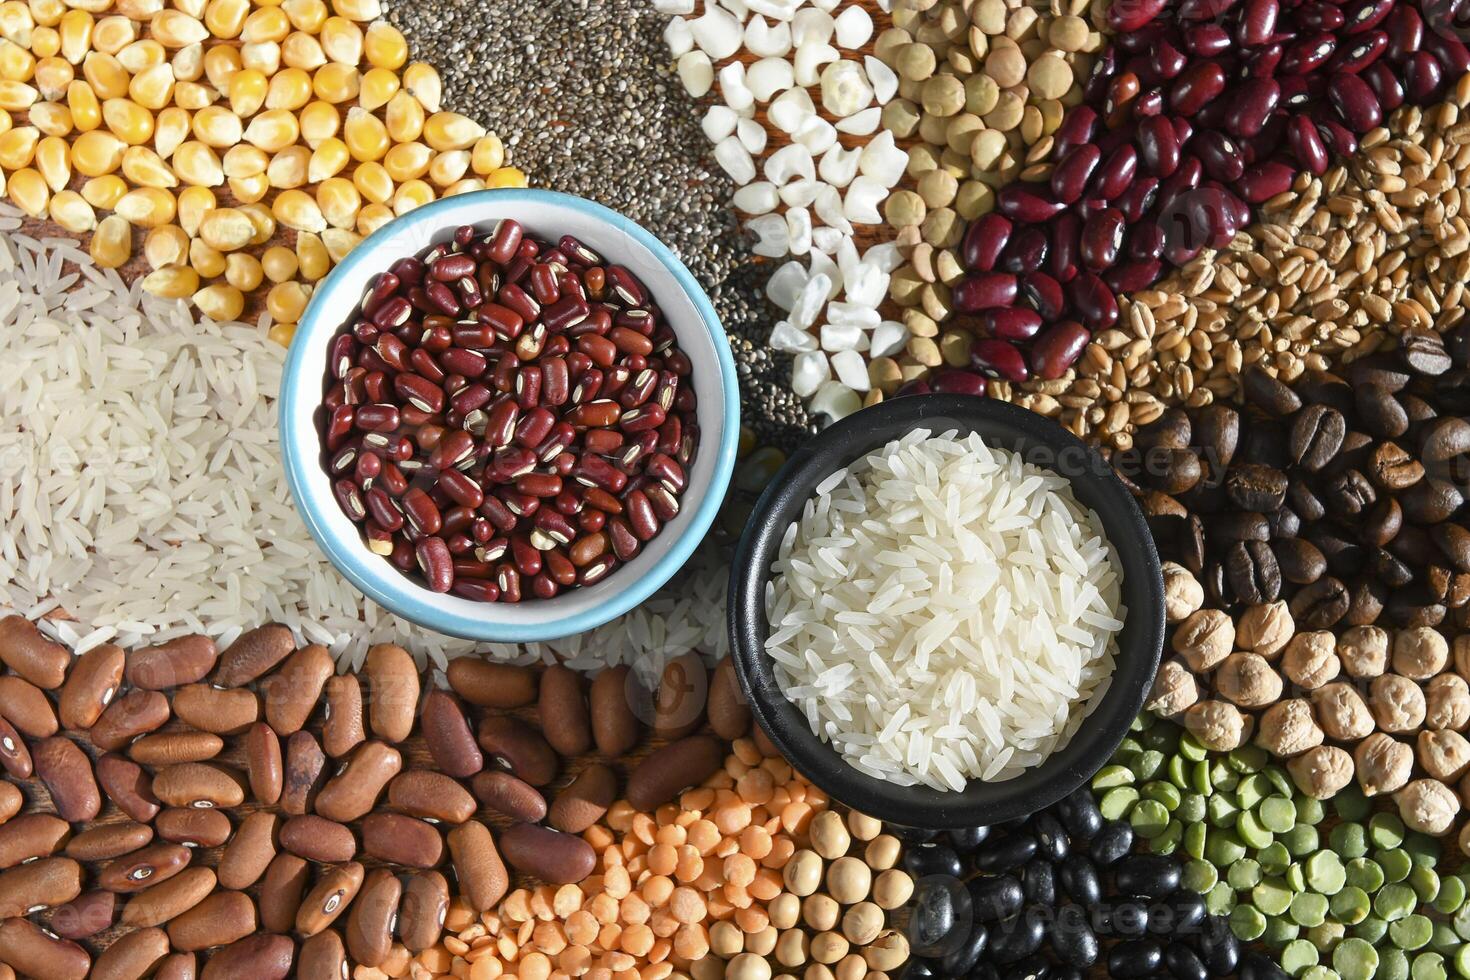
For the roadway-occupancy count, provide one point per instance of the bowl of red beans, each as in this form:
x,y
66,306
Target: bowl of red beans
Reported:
x,y
509,415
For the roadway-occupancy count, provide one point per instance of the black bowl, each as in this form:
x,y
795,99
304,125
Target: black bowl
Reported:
x,y
1039,441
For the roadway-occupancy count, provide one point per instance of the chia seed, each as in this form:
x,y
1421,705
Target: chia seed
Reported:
x,y
584,95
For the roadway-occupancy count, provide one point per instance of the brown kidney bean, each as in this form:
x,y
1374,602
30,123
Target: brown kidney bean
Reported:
x,y
329,897
447,732
323,957
27,652
108,841
185,660
342,727
26,707
91,686
281,891
132,956
15,758
259,957
33,952
430,796
393,680
370,921
249,852
169,748
729,712
220,711
422,910
675,767
477,864
554,857
135,713
67,773
563,711
178,966
10,801
144,868
615,726
127,785
504,793
292,692
193,828
33,835
304,764
318,839
357,785
263,763
42,884
584,802
222,918
200,785
518,747
85,916
399,839
678,706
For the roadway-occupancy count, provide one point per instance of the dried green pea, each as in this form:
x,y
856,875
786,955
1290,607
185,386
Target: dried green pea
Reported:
x,y
1168,841
1372,929
960,133
1424,882
1309,810
1247,922
1309,909
1351,804
938,188
903,208
1386,830
1191,807
914,61
1279,932
1428,966
1412,932
1349,840
1200,876
1325,873
1393,964
1326,936
1272,896
1365,873
1351,905
1301,840
981,94
1252,834
1444,939
1396,865
1451,895
1274,858
900,117
1195,836
1394,902
1355,959
1297,956
1244,874
1220,900
944,95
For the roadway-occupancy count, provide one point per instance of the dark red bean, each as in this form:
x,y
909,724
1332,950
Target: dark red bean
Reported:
x,y
1061,258
1158,147
1093,301
999,359
349,498
1195,87
1073,171
1057,349
956,382
1204,9
1355,102
1043,294
1126,16
452,267
1020,203
1405,32
1077,128
1362,52
1264,181
1364,15
1422,76
984,291
1102,239
1251,104
1385,85
422,513
1308,54
1220,156
1206,40
1306,145
1257,22
1011,323
1115,174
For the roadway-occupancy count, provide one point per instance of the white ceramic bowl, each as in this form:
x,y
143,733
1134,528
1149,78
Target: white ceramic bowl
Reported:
x,y
549,215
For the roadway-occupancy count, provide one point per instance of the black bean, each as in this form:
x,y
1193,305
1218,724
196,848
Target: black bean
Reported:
x,y
941,916
911,835
1134,958
932,859
1127,918
1080,814
1183,964
967,839
1254,966
1051,838
1005,853
1185,909
1034,967
1147,875
985,971
1067,973
1112,842
963,959
1039,882
995,897
1072,938
1079,879
1016,938
1218,946
919,968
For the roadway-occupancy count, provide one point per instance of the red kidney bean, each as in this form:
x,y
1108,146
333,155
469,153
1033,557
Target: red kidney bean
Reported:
x,y
1308,54
1043,294
1126,16
1115,174
956,382
1251,105
1381,79
1306,145
1102,239
1220,156
1158,147
1131,276
1257,23
1011,323
1405,31
1073,171
1057,349
1423,76
999,359
1195,87
1026,251
984,291
1364,51
1364,15
1061,259
1020,203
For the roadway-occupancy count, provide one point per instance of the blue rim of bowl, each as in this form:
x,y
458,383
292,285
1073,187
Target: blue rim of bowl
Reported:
x,y
346,555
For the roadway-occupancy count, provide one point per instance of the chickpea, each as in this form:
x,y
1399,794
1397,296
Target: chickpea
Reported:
x,y
820,912
1183,595
1175,689
1383,764
1397,702
1428,806
1364,651
762,943
882,852
829,836
1320,772
1311,659
892,889
1265,629
1218,725
1204,639
803,873
848,880
1447,703
1342,712
1287,728
1444,755
1419,653
1248,680
862,923
748,966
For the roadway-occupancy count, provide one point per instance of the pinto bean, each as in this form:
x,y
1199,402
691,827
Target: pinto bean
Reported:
x,y
262,956
292,692
172,748
186,660
193,828
281,890
667,771
729,712
477,865
15,758
342,730
90,687
584,802
318,839
85,916
491,685
393,682
422,910
563,711
33,835
135,713
554,857
41,884
514,745
169,899
323,957
304,764
144,868
615,726
211,709
127,785
357,786
253,654
25,706
33,952
398,839
222,918
67,773
26,651
132,956
249,852
430,795
369,931
201,785
447,732
108,841
329,898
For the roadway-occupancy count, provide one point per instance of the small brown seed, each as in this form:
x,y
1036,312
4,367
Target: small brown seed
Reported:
x,y
172,748
216,710
430,796
563,711
357,785
318,839
222,918
185,660
369,931
477,865
292,692
281,891
90,687
584,802
108,841
193,828
250,851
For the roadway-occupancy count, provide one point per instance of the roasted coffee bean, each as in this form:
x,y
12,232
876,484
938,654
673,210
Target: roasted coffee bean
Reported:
x,y
1424,353
1305,502
1217,434
1240,526
1254,487
1431,501
1383,523
1268,393
1283,523
1392,469
1389,570
1316,436
1380,412
1321,605
1300,562
1254,575
1171,430
1380,370
1442,439
1454,541
1349,494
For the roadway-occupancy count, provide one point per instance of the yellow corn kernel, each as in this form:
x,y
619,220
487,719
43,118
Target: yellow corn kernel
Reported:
x,y
153,88
108,78
263,55
311,257
404,118
172,282
282,333
205,259
175,29
220,302
16,63
111,34
451,131
226,229
128,121
422,81
339,243
265,223
45,42
365,135
289,89
220,62
166,245
244,160
147,207
18,147
411,194
278,263
47,13
51,118
286,301
96,153
198,164
16,22
306,15
266,24
104,192
112,242
405,161
372,217
506,177
6,122
217,126
319,122
146,169
170,130
194,96
141,54
17,96
373,182
449,166
247,91
488,155
53,75
384,46
301,50
336,83
194,204
464,186
243,271
296,210
359,10
138,9
327,160
378,86
272,130
71,211
248,190
53,160
341,41
86,111
288,168
28,191
76,35
339,201
226,18
188,63
195,8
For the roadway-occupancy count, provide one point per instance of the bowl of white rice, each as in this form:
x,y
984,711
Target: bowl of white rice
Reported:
x,y
946,611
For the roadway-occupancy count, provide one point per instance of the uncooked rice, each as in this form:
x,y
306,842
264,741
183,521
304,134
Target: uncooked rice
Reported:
x,y
141,491
944,611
